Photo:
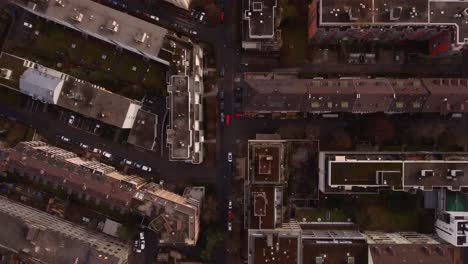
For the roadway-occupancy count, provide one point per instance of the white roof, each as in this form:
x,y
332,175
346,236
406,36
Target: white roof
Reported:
x,y
40,85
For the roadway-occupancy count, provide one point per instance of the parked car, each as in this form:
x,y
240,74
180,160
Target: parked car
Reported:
x,y
83,145
137,165
221,105
193,32
228,119
230,157
63,138
221,16
28,25
154,18
142,235
229,216
107,154
71,120
229,226
96,150
221,95
128,162
221,73
221,117
146,168
230,204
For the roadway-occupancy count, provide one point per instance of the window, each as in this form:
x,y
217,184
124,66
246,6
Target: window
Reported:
x,y
315,104
344,104
416,105
399,104
330,104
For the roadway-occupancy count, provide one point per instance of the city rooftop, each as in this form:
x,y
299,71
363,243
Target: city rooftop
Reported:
x,y
104,23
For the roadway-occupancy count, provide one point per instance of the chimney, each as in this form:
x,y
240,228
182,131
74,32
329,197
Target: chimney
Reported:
x,y
391,250
426,250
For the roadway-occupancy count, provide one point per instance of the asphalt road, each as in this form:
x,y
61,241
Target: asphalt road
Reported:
x,y
47,126
226,43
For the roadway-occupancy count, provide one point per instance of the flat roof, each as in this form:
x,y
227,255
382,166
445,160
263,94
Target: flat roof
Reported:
x,y
95,102
267,162
364,173
276,249
396,13
179,135
334,252
262,207
17,67
105,23
397,170
144,131
441,170
260,15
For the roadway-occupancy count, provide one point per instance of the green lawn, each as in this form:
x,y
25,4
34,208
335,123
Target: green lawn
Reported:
x,y
54,43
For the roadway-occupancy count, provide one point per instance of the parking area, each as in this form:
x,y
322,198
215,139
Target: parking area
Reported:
x,y
145,247
80,122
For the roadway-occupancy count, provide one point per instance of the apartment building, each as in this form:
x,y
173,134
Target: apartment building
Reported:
x,y
175,217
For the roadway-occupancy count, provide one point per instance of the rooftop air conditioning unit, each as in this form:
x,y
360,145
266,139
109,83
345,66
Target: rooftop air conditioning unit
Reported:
x,y
427,173
5,73
457,173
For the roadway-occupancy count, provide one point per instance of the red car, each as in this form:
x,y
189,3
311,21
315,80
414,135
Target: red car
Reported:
x,y
221,16
229,216
228,119
237,115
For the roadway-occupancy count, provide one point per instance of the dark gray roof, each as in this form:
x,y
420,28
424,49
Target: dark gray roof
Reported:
x,y
95,102
260,16
179,119
144,130
354,95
